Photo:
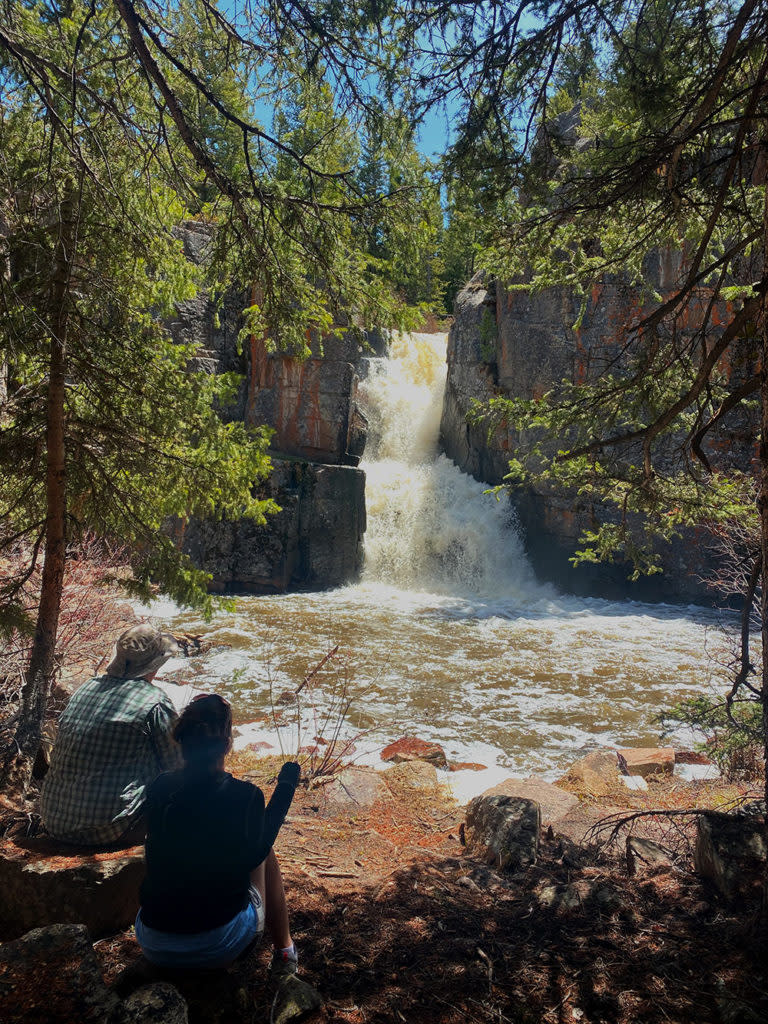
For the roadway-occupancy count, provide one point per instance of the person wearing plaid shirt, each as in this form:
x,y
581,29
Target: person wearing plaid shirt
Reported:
x,y
114,739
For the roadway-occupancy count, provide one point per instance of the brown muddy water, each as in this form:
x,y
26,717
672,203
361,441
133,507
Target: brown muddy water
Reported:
x,y
448,635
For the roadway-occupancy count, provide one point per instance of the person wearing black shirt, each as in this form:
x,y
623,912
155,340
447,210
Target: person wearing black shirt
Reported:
x,y
213,883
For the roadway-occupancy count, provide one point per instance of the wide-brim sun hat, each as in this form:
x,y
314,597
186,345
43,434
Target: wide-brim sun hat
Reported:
x,y
141,650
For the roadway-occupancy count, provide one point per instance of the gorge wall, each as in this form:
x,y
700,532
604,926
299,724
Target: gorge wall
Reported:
x,y
316,541
514,343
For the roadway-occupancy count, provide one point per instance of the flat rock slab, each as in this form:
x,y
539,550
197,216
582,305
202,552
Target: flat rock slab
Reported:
x,y
647,761
351,792
53,975
39,885
554,802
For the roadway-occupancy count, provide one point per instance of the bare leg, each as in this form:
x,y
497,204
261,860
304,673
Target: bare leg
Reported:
x,y
268,880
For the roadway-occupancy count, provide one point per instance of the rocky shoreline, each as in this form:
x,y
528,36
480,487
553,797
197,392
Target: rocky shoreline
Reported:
x,y
570,850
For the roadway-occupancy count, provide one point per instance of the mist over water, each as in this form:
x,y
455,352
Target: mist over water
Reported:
x,y
449,635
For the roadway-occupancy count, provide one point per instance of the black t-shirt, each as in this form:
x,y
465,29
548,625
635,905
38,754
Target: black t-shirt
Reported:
x,y
204,837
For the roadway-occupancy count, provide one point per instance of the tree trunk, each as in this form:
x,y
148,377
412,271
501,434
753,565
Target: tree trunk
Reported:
x,y
763,505
40,673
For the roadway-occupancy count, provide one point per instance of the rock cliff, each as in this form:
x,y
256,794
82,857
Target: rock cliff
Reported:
x,y
519,344
316,541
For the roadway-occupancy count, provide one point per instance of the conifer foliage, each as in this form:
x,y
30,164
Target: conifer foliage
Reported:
x,y
117,122
612,136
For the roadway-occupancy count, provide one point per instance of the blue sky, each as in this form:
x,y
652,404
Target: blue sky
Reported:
x,y
433,133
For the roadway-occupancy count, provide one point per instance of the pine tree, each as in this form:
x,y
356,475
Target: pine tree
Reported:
x,y
116,122
668,155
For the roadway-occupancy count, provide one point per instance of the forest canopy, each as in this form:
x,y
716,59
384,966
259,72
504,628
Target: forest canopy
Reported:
x,y
585,136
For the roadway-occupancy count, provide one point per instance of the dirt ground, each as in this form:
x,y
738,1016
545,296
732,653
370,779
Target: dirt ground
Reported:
x,y
396,923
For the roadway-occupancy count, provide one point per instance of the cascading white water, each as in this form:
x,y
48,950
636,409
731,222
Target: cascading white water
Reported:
x,y
451,636
430,526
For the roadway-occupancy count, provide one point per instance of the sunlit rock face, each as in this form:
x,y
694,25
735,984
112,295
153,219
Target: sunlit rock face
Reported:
x,y
518,344
316,541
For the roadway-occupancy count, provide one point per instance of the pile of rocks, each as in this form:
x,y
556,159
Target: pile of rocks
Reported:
x,y
53,974
503,825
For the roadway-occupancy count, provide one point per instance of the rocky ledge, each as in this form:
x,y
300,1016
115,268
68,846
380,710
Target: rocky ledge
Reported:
x,y
314,542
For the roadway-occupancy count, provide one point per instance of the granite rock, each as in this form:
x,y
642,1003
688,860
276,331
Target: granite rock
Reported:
x,y
411,748
554,803
731,849
411,774
156,1003
352,791
294,1000
504,831
40,885
594,775
52,974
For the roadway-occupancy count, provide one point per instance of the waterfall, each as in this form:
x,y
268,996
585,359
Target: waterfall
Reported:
x,y
452,637
430,526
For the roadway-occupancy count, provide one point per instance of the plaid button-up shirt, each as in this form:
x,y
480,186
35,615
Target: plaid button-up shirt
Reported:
x,y
114,739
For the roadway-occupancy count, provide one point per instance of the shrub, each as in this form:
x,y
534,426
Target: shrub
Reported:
x,y
92,613
733,735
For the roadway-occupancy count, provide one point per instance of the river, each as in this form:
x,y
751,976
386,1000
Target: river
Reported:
x,y
448,635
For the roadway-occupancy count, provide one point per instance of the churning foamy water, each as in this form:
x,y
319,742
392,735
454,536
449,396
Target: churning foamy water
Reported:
x,y
431,527
448,635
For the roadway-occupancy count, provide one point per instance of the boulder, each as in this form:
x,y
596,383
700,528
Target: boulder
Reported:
x,y
595,775
645,854
647,761
165,995
555,803
351,791
504,831
52,974
294,1001
40,885
731,849
410,748
157,1003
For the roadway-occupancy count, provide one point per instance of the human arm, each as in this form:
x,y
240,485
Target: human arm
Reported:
x,y
277,808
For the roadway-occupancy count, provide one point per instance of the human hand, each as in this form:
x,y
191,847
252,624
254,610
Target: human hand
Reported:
x,y
290,773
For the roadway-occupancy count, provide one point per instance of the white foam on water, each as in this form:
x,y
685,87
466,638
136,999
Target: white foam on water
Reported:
x,y
430,526
449,636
